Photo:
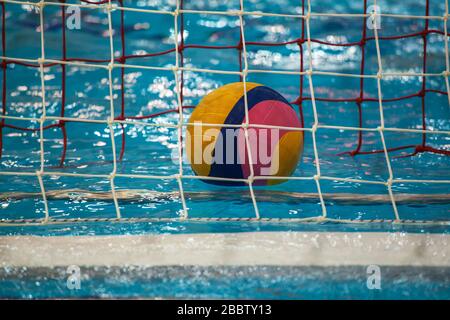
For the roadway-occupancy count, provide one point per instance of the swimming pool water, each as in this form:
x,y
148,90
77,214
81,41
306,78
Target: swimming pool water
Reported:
x,y
240,282
149,150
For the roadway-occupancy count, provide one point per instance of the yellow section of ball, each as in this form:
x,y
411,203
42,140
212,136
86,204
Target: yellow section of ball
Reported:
x,y
289,150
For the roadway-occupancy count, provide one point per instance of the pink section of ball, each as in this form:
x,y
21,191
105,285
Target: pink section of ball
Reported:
x,y
269,112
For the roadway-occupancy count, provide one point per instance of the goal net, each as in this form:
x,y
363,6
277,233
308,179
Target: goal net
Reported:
x,y
96,98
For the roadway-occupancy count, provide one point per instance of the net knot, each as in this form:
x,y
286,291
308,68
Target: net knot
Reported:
x,y
362,43
389,182
298,101
300,41
359,100
122,60
236,12
61,123
420,149
421,93
424,33
120,118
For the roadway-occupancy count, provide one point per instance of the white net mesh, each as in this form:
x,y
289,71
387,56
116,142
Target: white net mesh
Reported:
x,y
309,72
